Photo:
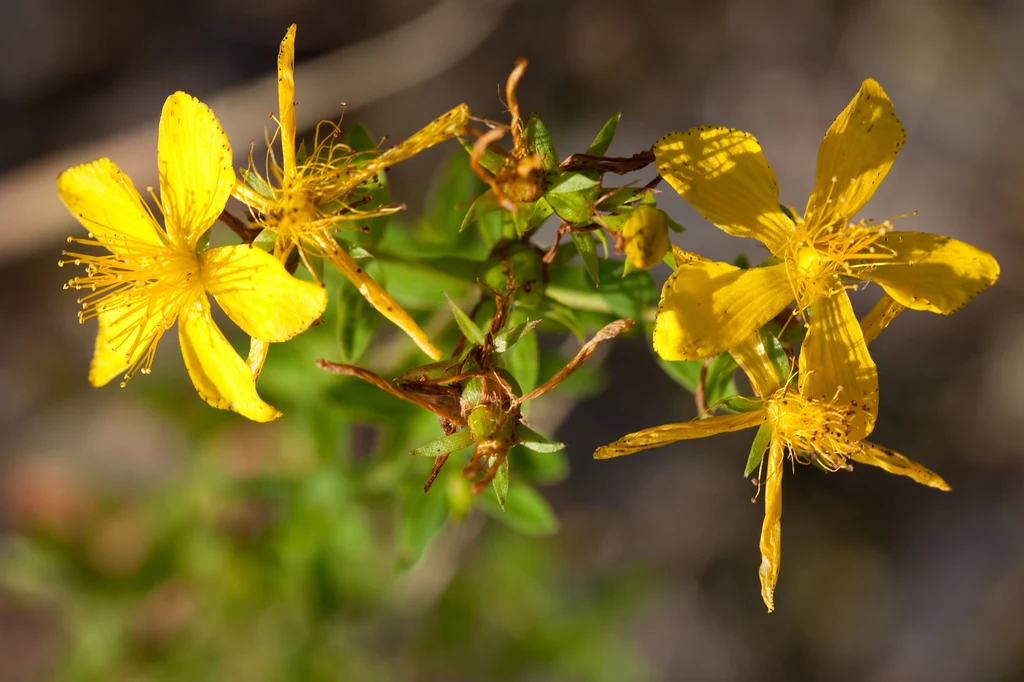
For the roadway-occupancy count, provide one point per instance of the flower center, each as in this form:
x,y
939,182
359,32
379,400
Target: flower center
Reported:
x,y
812,429
138,290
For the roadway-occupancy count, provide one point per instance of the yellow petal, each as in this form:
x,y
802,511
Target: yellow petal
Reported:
x,y
286,100
725,177
707,308
835,364
929,272
884,312
258,294
895,463
124,339
377,297
753,359
107,204
196,175
771,529
854,156
220,376
670,433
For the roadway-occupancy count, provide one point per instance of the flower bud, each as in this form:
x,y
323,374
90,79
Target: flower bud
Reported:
x,y
646,237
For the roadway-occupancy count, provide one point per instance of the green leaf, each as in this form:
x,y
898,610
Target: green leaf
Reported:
x,y
562,315
530,215
500,484
720,379
523,359
532,440
490,159
445,445
422,516
572,207
357,320
604,136
758,448
538,141
564,182
468,327
619,295
257,183
452,189
526,511
360,139
508,339
481,206
777,355
585,244
265,240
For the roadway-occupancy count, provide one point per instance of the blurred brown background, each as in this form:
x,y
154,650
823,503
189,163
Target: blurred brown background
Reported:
x,y
881,580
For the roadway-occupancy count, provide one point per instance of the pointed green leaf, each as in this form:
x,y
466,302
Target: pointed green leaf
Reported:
x,y
538,141
777,355
500,484
257,183
604,137
445,444
356,323
508,339
265,240
739,403
360,139
468,327
584,242
529,438
572,207
758,448
563,315
481,206
564,182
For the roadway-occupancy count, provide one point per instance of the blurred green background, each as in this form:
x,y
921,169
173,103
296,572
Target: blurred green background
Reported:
x,y
146,536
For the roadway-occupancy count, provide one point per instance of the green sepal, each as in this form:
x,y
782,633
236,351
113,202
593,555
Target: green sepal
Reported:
x,y
530,215
532,440
757,449
739,403
604,136
572,207
256,183
445,444
265,240
777,355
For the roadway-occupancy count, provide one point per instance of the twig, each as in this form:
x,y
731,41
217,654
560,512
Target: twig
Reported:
x,y
608,164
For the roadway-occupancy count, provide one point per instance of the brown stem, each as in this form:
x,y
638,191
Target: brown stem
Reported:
x,y
608,164
240,227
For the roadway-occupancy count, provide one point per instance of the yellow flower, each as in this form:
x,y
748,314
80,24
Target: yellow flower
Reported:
x,y
313,196
708,307
793,421
153,275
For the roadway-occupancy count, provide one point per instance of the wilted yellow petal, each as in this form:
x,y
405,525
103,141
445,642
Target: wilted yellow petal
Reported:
x,y
771,529
707,308
378,298
929,272
670,433
196,175
835,364
220,376
895,463
258,294
107,204
286,100
884,312
854,156
645,234
752,358
725,177
450,124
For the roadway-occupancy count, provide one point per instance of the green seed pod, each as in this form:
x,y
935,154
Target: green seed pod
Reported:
x,y
646,236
